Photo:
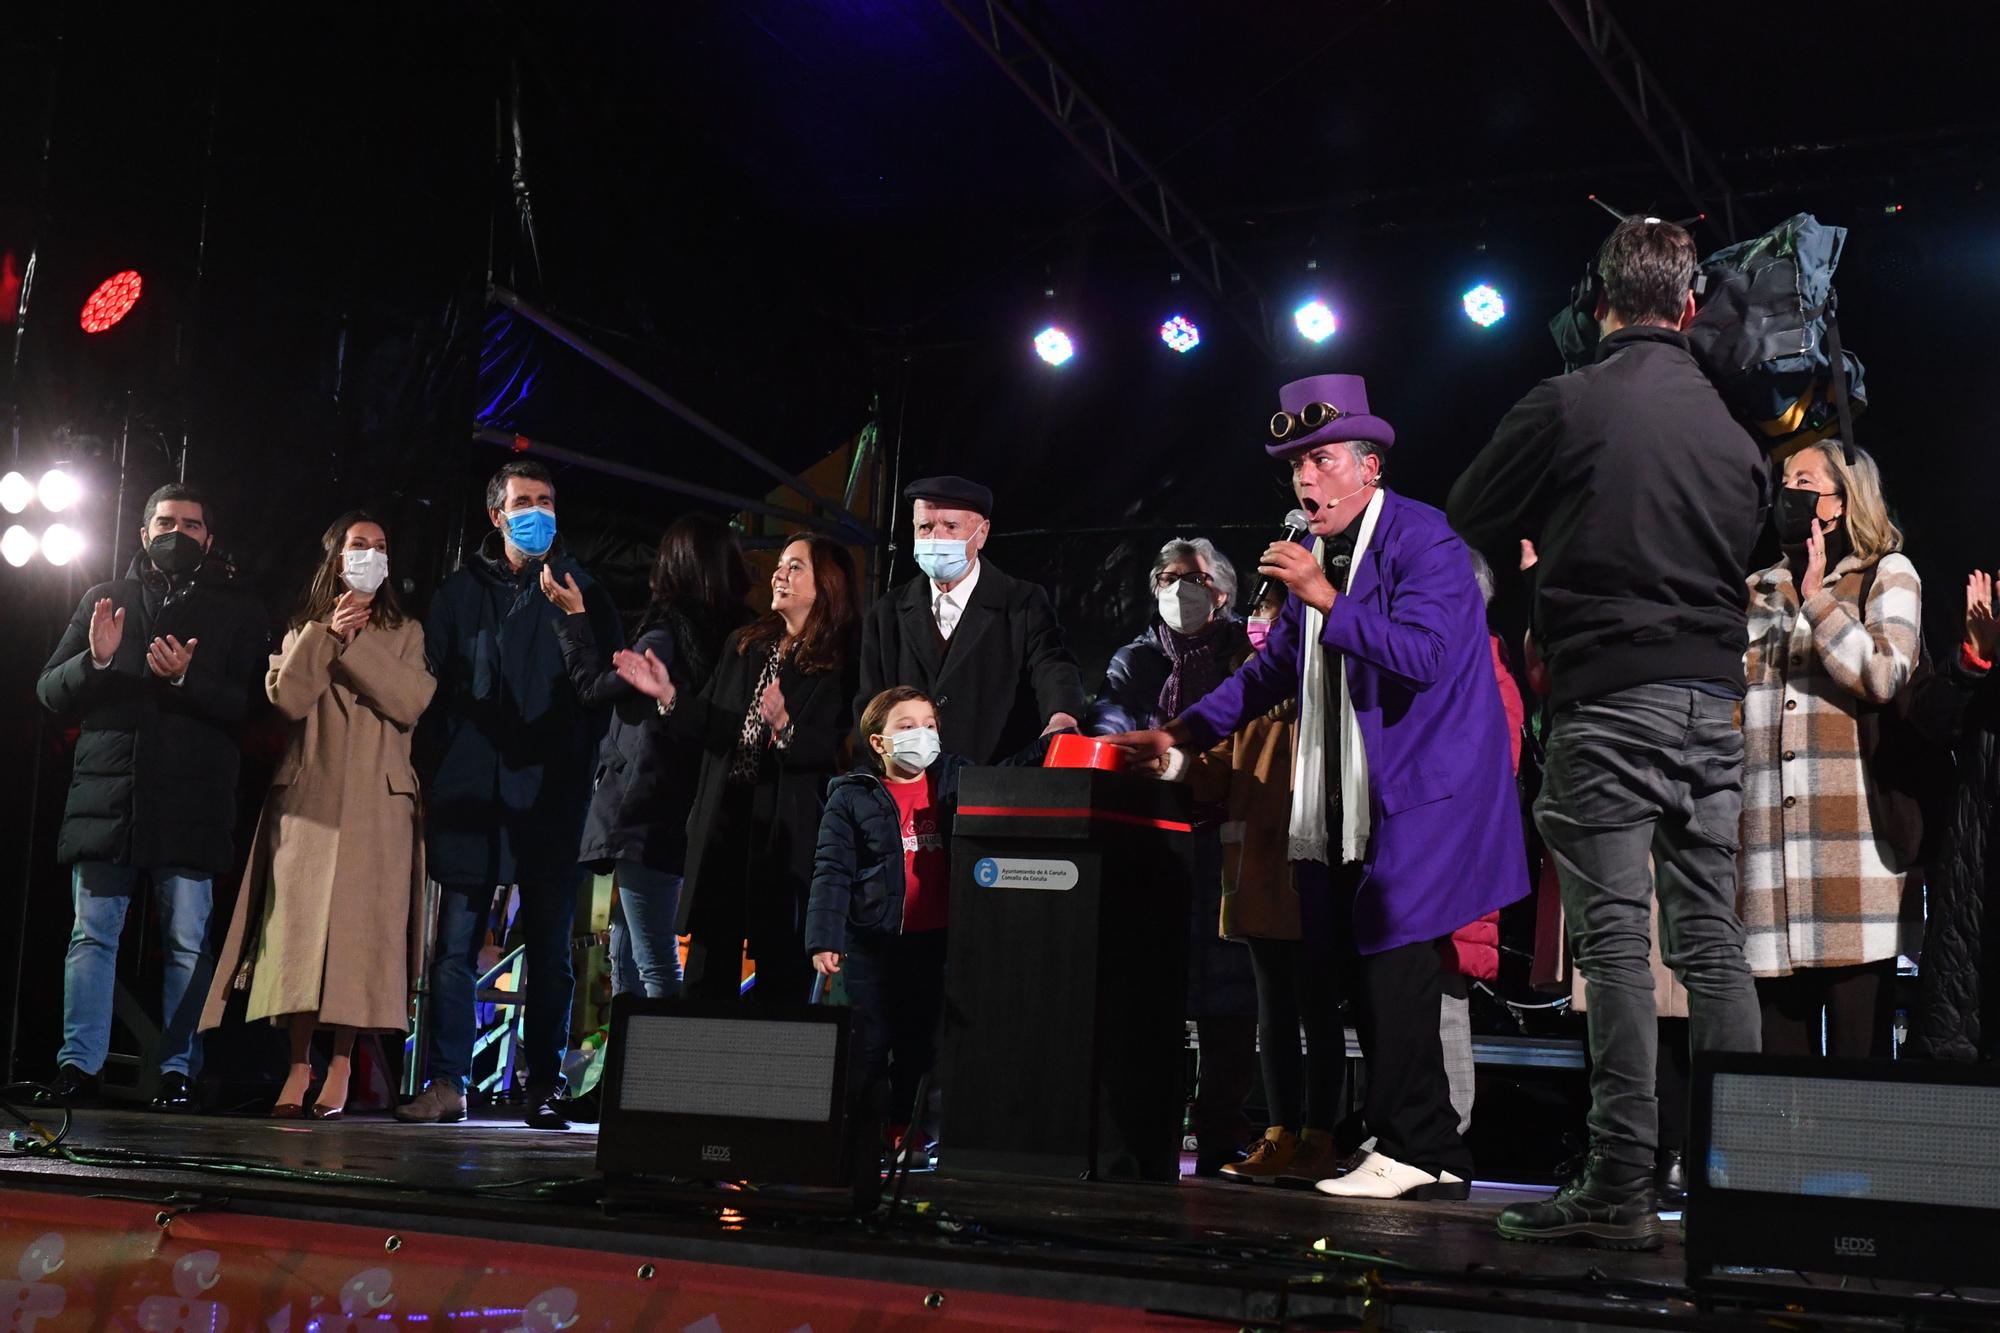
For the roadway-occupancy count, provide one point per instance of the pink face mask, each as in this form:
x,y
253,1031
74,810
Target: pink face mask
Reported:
x,y
1259,630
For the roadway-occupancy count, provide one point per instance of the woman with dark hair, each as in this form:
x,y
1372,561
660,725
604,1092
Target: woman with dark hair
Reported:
x,y
336,869
770,724
637,828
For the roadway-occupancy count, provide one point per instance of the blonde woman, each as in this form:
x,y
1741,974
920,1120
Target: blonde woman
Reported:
x,y
1825,890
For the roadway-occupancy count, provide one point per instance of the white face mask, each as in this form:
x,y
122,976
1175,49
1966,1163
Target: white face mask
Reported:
x,y
915,748
1186,606
365,570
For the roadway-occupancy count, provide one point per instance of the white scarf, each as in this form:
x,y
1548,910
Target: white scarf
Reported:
x,y
1309,834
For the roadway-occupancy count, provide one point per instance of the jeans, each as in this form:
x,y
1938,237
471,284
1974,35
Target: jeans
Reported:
x,y
648,902
1654,770
548,912
100,894
896,985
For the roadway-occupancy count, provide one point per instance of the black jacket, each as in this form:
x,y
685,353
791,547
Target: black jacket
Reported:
x,y
1958,986
857,881
507,746
1130,699
786,804
1007,669
1643,497
645,776
153,780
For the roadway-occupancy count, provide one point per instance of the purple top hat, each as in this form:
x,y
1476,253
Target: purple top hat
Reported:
x,y
1323,408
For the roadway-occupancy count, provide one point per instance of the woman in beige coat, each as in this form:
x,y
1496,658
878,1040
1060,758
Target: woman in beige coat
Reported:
x,y
325,927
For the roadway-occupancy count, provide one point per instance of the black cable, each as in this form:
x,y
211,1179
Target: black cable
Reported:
x,y
49,1140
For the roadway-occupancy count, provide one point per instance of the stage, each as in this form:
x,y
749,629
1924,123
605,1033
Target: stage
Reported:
x,y
161,1222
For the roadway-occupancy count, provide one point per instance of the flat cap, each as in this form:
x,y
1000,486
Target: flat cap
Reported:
x,y
953,493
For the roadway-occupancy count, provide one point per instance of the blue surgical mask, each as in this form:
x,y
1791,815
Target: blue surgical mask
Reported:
x,y
942,558
533,531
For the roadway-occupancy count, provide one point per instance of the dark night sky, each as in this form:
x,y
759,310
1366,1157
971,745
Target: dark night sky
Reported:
x,y
781,209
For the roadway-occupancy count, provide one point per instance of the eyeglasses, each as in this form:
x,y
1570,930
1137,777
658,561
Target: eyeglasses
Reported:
x,y
1284,425
1167,579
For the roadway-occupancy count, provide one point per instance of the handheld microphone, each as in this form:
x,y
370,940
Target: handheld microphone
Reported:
x,y
1296,524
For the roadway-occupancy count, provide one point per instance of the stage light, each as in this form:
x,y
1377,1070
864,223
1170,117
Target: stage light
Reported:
x,y
1316,321
1180,334
58,490
1054,346
111,302
1484,307
18,546
15,492
61,544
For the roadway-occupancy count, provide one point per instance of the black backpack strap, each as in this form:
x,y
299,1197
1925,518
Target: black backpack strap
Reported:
x,y
1841,406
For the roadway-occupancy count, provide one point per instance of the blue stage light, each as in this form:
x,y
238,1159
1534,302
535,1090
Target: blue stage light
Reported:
x,y
1484,307
1054,346
1316,321
1180,334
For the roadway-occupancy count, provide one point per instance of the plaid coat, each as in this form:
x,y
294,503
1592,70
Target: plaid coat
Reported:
x,y
1818,887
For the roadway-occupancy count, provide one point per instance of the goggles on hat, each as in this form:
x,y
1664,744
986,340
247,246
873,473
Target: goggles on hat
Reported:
x,y
1285,425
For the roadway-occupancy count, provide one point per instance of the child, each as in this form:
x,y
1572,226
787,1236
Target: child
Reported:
x,y
881,893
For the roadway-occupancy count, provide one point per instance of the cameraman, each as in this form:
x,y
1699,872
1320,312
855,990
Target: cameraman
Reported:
x,y
1643,497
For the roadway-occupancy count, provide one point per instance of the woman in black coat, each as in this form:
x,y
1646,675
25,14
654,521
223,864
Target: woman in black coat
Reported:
x,y
1191,644
1958,1009
645,780
770,725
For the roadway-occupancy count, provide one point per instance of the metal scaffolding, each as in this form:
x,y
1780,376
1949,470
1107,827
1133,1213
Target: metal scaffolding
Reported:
x,y
1638,90
1026,60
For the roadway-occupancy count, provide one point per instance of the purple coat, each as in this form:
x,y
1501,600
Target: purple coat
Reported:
x,y
1445,843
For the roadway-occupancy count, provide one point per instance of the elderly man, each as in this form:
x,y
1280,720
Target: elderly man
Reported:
x,y
1404,822
985,647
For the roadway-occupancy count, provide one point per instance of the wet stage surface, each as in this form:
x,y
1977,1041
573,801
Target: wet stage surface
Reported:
x,y
1222,1251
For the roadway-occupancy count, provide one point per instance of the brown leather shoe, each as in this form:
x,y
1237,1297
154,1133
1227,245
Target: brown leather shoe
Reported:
x,y
1269,1158
1317,1158
439,1104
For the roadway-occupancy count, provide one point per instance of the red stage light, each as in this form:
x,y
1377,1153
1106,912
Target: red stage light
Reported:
x,y
111,302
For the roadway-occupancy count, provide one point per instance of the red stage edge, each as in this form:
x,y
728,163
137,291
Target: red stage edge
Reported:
x,y
113,1264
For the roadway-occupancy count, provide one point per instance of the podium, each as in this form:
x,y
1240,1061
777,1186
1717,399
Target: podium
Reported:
x,y
1066,985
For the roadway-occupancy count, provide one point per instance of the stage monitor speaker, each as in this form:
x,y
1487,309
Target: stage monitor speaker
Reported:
x,y
1857,1184
708,1092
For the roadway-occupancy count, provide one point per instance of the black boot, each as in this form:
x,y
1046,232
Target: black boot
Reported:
x,y
70,1087
176,1094
1670,1180
1609,1204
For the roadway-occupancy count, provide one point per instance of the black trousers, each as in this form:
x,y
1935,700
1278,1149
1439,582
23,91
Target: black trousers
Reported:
x,y
1396,1000
733,902
1859,1003
896,985
1304,1093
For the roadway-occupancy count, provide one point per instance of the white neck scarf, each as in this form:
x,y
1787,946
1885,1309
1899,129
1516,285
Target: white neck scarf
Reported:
x,y
1309,835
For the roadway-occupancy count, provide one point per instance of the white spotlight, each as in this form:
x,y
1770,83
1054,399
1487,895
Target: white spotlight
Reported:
x,y
18,546
15,492
58,491
61,544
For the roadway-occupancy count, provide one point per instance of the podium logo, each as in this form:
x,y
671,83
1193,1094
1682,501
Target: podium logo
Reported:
x,y
715,1152
1854,1247
1014,872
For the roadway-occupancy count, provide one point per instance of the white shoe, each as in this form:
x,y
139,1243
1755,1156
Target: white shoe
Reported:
x,y
1380,1177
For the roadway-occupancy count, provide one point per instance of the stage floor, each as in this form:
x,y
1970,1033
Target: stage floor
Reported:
x,y
1214,1251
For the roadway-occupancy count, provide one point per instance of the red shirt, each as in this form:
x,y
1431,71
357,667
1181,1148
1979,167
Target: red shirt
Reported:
x,y
926,869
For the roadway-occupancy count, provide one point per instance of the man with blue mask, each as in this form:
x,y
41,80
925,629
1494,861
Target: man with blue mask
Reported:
x,y
983,646
507,751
